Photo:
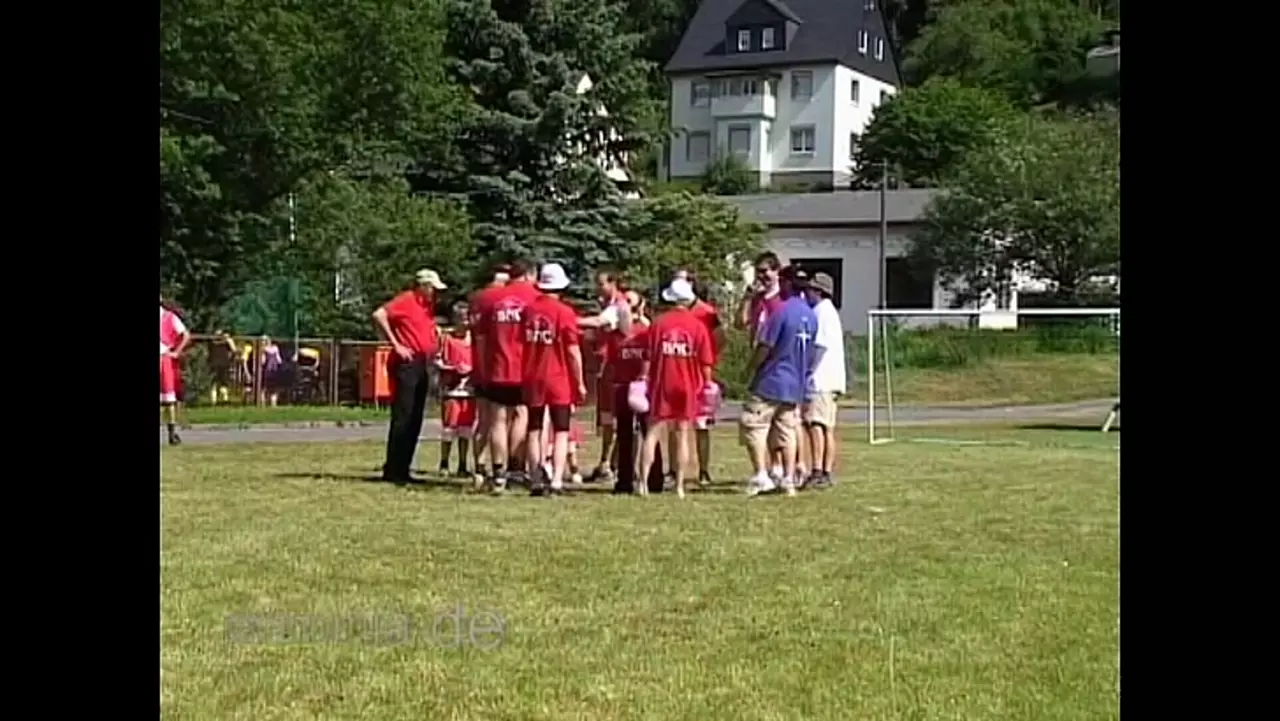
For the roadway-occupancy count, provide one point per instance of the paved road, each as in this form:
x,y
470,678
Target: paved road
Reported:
x,y
1084,411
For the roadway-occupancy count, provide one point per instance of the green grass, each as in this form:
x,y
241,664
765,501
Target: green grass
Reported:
x,y
1016,380
251,415
936,582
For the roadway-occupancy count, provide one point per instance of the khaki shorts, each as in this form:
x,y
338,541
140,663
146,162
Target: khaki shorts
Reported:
x,y
821,410
768,422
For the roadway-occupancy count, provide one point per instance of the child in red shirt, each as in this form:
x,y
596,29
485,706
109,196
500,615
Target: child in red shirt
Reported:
x,y
678,368
458,411
553,382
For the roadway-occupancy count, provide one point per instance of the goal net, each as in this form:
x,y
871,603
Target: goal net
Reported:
x,y
972,377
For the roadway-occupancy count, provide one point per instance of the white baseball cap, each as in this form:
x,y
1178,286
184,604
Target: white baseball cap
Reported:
x,y
552,277
679,292
429,277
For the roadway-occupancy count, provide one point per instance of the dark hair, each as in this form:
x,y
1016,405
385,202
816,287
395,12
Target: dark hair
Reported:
x,y
519,269
770,259
797,276
609,274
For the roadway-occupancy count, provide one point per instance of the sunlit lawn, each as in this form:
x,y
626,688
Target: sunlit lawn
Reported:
x,y
935,582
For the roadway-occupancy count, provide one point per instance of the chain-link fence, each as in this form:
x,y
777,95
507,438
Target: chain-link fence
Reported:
x,y
265,371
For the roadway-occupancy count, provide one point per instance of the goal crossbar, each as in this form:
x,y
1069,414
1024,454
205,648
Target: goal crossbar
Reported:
x,y
878,313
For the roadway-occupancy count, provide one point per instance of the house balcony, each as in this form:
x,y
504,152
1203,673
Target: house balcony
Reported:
x,y
759,105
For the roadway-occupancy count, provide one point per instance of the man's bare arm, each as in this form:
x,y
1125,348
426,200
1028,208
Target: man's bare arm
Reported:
x,y
575,367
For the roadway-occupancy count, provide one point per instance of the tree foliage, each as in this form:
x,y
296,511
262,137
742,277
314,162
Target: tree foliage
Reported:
x,y
684,230
1045,201
532,143
923,131
1027,49
256,96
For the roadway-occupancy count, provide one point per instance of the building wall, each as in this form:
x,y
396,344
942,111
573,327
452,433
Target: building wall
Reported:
x,y
831,111
857,249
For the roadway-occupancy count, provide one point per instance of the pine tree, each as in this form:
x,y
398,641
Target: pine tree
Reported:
x,y
528,149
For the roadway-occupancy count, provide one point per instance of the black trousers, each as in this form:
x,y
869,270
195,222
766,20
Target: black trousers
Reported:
x,y
409,386
630,435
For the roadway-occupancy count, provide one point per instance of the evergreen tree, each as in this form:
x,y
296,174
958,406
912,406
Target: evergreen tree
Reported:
x,y
529,151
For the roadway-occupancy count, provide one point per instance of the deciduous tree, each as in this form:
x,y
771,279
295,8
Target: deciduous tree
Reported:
x,y
1045,200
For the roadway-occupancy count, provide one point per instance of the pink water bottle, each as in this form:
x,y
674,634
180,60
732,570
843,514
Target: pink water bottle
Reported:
x,y
710,401
638,396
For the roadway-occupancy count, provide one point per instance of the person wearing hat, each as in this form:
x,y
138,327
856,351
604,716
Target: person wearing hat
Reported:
x,y
408,323
553,382
827,383
678,371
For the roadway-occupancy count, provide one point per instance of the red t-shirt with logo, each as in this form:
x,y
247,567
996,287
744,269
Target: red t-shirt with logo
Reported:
x,y
710,317
630,355
477,302
550,329
679,348
455,352
413,323
501,315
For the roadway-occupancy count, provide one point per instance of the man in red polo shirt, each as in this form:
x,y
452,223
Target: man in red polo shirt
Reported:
x,y
501,351
679,367
408,323
553,382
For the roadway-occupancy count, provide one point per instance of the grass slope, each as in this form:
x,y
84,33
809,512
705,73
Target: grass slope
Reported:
x,y
937,582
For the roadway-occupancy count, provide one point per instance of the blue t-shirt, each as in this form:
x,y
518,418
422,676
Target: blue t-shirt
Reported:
x,y
789,333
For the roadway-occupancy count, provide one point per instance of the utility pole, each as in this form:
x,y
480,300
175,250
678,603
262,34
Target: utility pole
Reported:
x,y
884,230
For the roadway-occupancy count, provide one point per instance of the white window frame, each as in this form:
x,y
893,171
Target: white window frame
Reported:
x,y
688,147
879,48
744,35
798,132
795,86
694,99
853,146
745,153
869,5
862,42
767,39
855,91
885,95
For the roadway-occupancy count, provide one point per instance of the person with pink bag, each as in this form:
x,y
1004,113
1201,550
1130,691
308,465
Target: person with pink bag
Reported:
x,y
631,401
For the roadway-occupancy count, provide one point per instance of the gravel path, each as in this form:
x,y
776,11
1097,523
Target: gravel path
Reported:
x,y
1083,411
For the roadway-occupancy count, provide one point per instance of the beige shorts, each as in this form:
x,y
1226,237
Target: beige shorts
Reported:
x,y
767,422
821,410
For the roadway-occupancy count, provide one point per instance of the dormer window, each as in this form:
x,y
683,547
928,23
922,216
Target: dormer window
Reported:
x,y
879,48
744,40
862,42
869,5
766,39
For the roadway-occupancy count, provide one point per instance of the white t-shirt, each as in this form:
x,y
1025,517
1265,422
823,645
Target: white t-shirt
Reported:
x,y
829,376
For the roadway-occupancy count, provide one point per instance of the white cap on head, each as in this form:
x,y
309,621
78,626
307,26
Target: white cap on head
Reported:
x,y
429,277
552,277
501,277
679,292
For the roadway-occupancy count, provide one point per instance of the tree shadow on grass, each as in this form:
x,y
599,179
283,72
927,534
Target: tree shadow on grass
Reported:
x,y
417,484
1090,427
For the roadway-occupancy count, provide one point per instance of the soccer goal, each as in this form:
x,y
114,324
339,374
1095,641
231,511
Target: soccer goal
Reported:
x,y
953,375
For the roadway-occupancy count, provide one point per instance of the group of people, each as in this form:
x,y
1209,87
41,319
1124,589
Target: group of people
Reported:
x,y
512,376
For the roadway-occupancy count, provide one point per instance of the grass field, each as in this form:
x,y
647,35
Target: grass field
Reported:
x,y
936,582
1007,381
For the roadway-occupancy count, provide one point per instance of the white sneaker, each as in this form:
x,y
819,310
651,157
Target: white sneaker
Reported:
x,y
775,473
789,488
761,484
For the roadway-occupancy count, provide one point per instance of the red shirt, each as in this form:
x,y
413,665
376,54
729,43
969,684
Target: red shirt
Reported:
x,y
412,322
710,317
550,329
501,314
607,345
477,302
630,355
679,350
762,308
455,352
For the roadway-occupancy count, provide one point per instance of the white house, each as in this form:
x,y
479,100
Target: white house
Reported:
x,y
614,166
786,85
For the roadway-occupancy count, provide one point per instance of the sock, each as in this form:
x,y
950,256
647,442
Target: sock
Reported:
x,y
498,470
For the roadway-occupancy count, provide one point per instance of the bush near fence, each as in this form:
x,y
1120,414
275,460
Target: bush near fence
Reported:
x,y
941,347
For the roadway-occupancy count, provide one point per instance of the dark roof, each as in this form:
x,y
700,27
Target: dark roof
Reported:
x,y
827,32
860,207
